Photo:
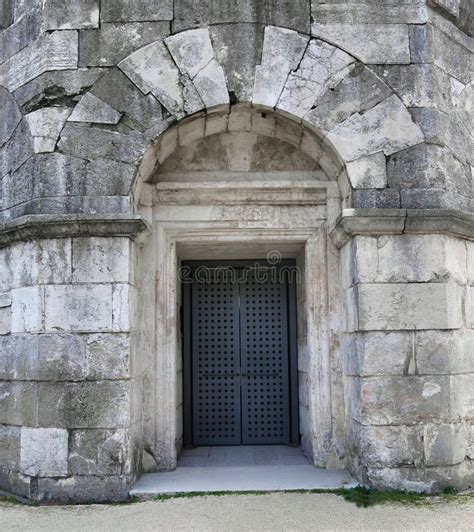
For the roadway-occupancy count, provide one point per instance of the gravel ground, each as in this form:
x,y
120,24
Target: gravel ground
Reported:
x,y
275,511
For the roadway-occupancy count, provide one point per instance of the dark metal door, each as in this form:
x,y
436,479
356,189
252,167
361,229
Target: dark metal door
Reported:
x,y
264,360
239,356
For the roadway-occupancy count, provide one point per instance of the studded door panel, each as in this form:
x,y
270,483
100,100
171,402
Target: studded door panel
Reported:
x,y
216,363
264,360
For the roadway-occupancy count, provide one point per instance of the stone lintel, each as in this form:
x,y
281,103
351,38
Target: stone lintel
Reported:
x,y
374,222
43,226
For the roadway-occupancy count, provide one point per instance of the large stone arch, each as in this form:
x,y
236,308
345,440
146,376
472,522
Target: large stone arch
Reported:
x,y
354,114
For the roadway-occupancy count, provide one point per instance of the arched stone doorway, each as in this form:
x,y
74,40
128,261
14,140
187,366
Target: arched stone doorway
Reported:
x,y
242,184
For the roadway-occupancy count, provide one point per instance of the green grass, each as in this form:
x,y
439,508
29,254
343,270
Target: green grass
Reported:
x,y
363,497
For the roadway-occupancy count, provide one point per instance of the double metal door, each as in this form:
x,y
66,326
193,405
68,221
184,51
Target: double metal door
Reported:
x,y
240,355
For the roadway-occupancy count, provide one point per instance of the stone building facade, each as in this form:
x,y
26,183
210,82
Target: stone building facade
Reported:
x,y
138,133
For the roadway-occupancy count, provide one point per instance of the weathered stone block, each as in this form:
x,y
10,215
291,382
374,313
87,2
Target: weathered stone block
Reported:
x,y
97,404
45,126
113,42
51,86
5,320
238,62
322,68
71,14
17,150
18,403
79,308
124,304
388,446
62,175
14,482
359,91
282,53
43,357
198,13
434,198
432,122
44,452
393,400
101,260
368,172
36,262
144,111
11,115
469,307
419,258
53,51
22,32
6,14
403,306
99,452
375,199
85,489
27,309
470,260
452,54
152,69
418,85
444,444
378,353
94,110
10,447
387,127
136,10
108,356
93,143
371,43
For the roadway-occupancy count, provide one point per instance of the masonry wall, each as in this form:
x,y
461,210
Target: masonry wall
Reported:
x,y
408,360
78,115
67,382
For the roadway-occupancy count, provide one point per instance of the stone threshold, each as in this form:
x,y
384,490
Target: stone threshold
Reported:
x,y
241,478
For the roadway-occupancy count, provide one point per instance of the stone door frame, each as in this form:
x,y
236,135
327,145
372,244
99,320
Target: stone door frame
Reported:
x,y
179,235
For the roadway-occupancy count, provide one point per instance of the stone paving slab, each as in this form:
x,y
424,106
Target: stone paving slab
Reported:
x,y
241,478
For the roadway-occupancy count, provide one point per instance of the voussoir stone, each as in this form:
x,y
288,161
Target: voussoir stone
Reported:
x,y
191,50
322,67
359,91
238,62
387,127
282,53
153,70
